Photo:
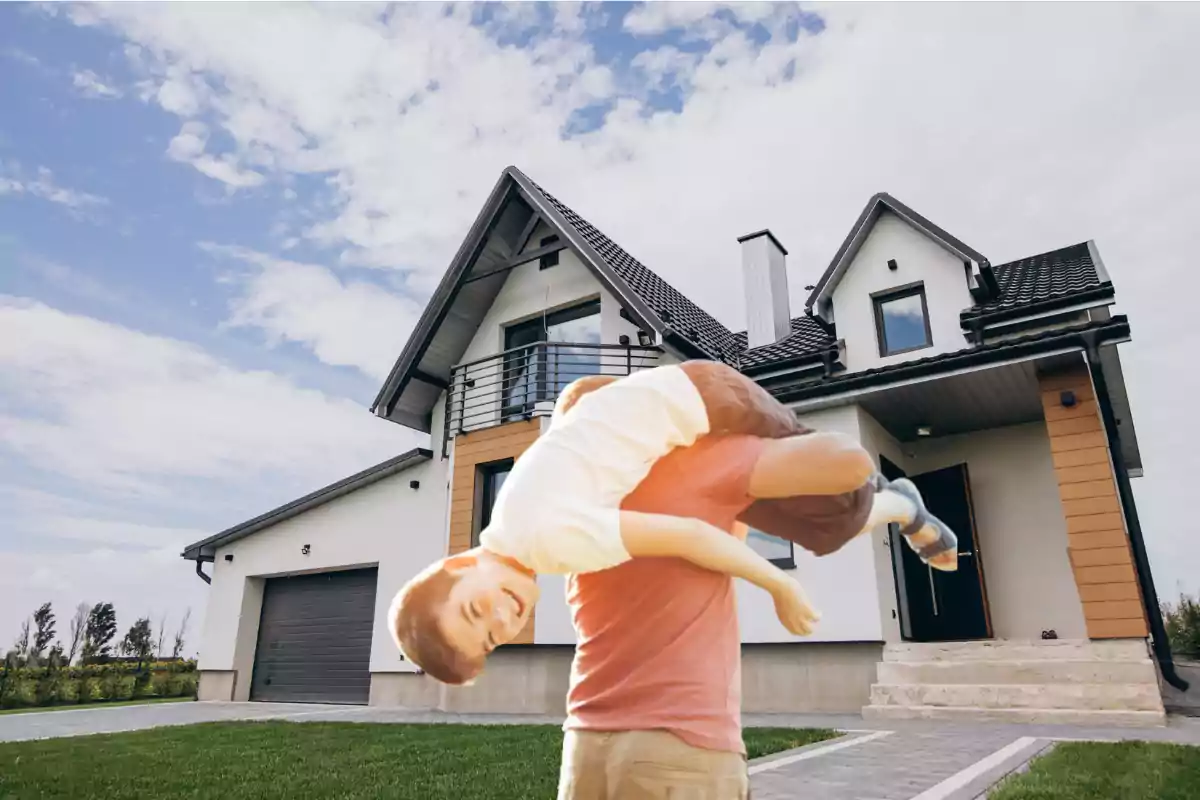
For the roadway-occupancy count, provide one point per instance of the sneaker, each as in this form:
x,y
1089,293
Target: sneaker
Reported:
x,y
945,542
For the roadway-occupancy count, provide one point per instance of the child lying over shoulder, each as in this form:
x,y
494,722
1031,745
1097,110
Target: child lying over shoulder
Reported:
x,y
559,512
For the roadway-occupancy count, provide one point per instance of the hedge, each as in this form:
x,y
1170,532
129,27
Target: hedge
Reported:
x,y
43,686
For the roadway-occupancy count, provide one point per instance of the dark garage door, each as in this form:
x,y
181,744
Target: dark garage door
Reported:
x,y
314,638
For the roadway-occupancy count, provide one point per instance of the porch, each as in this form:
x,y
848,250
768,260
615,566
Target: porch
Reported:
x,y
1016,458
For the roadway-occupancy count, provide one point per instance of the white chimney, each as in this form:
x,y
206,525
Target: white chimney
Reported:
x,y
764,271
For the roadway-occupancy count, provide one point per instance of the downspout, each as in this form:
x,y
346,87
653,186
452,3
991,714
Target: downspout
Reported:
x,y
200,572
1160,642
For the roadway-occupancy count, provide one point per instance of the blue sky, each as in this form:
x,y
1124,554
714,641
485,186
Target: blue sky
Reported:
x,y
218,223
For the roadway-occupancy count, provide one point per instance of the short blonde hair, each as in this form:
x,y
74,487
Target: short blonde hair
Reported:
x,y
415,628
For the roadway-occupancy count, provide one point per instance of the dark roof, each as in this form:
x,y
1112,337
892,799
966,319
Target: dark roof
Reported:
x,y
1115,327
808,337
670,306
1070,274
1046,276
862,226
206,549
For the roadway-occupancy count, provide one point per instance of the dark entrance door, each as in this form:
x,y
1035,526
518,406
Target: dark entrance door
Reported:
x,y
940,606
314,638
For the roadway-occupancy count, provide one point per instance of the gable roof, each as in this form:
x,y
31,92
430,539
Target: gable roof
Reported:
x,y
477,273
205,549
858,235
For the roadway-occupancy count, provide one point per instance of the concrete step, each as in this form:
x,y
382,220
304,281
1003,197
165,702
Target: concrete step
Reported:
x,y
1028,716
1015,650
1056,696
1040,671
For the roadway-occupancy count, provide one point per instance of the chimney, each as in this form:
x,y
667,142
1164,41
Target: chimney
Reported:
x,y
768,317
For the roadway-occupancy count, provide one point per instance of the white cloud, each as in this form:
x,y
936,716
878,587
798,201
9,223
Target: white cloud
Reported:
x,y
121,410
1019,127
43,186
344,323
90,85
188,147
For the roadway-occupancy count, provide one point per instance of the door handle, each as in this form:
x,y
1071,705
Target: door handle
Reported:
x,y
966,554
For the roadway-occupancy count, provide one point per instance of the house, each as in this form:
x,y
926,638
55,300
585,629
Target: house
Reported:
x,y
997,388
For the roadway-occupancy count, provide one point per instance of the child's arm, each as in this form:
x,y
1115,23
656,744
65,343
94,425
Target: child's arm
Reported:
x,y
707,546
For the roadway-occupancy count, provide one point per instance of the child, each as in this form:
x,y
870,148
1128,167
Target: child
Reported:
x,y
559,510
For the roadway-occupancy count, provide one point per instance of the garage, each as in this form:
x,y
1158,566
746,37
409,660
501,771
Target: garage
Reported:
x,y
314,638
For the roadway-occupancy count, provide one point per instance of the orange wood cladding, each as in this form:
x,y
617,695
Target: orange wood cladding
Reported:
x,y
1098,544
471,450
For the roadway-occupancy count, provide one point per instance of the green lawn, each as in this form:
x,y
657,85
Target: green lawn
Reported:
x,y
298,761
36,709
1096,771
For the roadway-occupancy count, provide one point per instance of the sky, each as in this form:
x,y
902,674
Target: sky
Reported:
x,y
219,222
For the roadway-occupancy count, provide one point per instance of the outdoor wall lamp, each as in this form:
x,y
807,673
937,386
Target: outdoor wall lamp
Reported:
x,y
623,339
414,484
644,339
229,556
1067,398
306,549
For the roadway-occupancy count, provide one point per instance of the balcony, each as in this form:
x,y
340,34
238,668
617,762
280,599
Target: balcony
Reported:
x,y
523,382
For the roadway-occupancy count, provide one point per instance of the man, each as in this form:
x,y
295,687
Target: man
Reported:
x,y
654,704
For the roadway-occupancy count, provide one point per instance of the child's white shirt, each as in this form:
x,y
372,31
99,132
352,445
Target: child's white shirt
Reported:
x,y
558,511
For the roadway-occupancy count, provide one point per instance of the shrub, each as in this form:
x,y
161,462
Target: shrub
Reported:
x,y
1183,626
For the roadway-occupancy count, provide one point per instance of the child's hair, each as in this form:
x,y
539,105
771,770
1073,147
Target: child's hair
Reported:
x,y
414,623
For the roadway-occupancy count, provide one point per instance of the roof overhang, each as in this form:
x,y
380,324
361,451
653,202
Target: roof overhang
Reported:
x,y
206,549
823,291
474,278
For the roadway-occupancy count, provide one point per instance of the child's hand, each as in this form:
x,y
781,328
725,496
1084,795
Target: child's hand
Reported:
x,y
793,607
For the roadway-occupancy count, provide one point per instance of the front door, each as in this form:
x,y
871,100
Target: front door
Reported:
x,y
944,606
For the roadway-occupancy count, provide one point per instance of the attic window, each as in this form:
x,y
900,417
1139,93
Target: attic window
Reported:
x,y
549,259
902,320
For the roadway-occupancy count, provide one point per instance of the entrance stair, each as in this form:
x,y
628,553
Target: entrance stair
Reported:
x,y
1058,681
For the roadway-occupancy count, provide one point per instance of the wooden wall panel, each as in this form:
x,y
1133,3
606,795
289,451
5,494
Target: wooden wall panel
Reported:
x,y
1098,544
471,450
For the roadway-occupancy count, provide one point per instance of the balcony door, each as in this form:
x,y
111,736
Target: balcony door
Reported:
x,y
544,354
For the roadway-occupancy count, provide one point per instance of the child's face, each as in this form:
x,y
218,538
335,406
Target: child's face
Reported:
x,y
488,606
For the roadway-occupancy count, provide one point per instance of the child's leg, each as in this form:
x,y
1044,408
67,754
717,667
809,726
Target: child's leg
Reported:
x,y
809,465
900,502
815,464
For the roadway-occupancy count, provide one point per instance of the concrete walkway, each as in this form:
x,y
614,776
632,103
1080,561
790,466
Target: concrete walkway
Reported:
x,y
871,761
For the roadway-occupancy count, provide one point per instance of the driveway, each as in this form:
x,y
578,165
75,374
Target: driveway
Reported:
x,y
84,721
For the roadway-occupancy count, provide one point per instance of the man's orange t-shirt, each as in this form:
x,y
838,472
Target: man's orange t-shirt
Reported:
x,y
658,645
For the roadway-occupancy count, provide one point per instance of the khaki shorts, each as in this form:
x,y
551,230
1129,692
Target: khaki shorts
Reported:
x,y
647,765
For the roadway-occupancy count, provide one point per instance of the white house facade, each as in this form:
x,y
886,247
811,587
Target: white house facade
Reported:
x,y
998,389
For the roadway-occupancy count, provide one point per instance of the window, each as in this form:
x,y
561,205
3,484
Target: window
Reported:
x,y
777,551
488,480
540,361
902,320
549,259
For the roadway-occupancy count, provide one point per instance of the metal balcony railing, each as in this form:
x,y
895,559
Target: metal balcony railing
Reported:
x,y
524,382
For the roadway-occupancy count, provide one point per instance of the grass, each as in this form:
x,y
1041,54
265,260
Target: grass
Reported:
x,y
70,706
1100,771
307,761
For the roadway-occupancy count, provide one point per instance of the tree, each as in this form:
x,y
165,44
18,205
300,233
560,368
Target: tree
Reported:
x,y
1183,626
139,641
78,631
177,650
101,628
43,620
21,647
162,631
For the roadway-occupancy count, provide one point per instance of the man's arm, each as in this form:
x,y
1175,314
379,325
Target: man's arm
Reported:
x,y
810,464
707,546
